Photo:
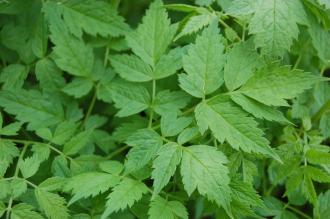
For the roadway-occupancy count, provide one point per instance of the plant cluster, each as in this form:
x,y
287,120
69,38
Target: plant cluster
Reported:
x,y
206,109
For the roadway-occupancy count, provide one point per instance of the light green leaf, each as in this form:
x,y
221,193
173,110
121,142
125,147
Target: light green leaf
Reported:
x,y
94,17
167,100
8,151
171,125
52,204
203,64
318,157
13,76
29,166
41,151
273,84
202,167
90,184
228,122
70,53
274,25
164,209
145,143
241,61
77,142
196,23
32,107
18,187
49,75
324,204
24,211
124,195
3,209
153,36
325,124
11,129
63,132
164,166
188,134
132,68
53,184
130,98
79,87
258,109
169,63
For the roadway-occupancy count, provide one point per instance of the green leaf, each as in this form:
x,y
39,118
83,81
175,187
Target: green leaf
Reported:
x,y
163,209
13,76
49,75
188,134
22,211
132,68
202,167
258,109
2,209
164,166
325,124
153,36
18,187
83,187
79,87
237,128
145,143
324,204
29,166
320,39
8,151
124,195
63,132
167,100
11,129
203,64
52,204
196,23
171,125
273,84
52,184
169,63
32,107
318,157
275,26
130,98
241,61
77,142
94,17
70,53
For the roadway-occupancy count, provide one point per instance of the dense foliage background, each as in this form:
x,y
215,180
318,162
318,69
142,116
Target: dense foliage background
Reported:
x,y
163,110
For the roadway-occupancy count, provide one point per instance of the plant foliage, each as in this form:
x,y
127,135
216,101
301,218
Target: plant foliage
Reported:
x,y
164,109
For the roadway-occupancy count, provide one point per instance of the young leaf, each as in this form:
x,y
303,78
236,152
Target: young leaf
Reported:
x,y
241,61
171,125
237,128
273,84
258,109
52,204
168,157
130,98
94,17
203,64
275,27
71,54
145,144
22,210
202,167
77,142
29,166
153,36
163,209
124,195
82,186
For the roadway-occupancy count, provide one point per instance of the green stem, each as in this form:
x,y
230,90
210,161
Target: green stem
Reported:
x,y
243,31
20,158
116,152
296,64
152,103
42,143
297,211
90,108
322,110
